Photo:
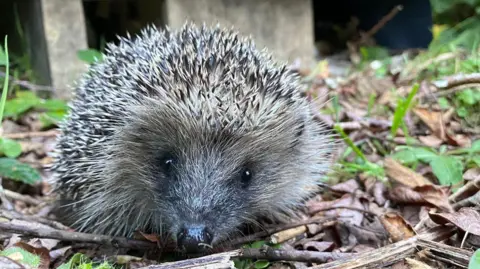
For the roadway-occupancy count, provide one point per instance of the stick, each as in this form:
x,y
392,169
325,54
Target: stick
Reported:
x,y
26,84
20,197
31,134
389,254
293,255
76,236
457,80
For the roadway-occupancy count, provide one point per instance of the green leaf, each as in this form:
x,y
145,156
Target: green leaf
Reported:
x,y
75,261
447,169
23,101
10,148
15,170
467,96
443,102
257,244
90,56
476,160
475,260
3,57
27,258
462,112
260,264
413,155
52,105
51,118
401,109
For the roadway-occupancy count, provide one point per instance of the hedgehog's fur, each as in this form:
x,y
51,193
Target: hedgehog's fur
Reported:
x,y
206,96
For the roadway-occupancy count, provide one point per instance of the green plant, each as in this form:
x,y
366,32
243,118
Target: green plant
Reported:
x,y
402,108
257,264
447,166
10,167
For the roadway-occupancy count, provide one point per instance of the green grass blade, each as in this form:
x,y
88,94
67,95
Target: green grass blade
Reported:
x,y
5,82
402,109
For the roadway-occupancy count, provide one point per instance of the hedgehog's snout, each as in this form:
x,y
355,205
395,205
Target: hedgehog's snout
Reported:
x,y
194,238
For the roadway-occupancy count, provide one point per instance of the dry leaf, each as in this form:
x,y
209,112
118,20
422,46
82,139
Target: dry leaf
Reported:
x,y
414,264
329,208
430,140
434,121
458,140
397,227
467,219
403,174
319,246
436,196
348,186
472,173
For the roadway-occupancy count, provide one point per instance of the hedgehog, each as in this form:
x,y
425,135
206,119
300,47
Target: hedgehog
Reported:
x,y
193,132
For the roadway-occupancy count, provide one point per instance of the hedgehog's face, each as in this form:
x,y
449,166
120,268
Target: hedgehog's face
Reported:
x,y
206,183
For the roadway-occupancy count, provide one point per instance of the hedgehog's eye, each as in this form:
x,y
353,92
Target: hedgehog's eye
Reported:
x,y
246,175
167,163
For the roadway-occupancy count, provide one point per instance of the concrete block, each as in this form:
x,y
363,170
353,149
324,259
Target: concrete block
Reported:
x,y
56,32
285,27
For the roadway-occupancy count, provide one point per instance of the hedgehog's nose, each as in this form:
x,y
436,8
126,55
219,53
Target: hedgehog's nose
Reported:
x,y
194,238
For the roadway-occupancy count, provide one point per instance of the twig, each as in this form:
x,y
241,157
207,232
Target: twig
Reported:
x,y
20,197
343,207
215,261
268,232
381,23
26,84
31,134
453,255
76,236
15,215
457,80
3,197
389,254
293,255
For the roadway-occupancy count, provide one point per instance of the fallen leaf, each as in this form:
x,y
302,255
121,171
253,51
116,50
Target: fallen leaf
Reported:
x,y
403,174
472,173
436,196
329,208
414,264
348,186
397,227
430,140
467,219
319,246
42,252
458,140
434,121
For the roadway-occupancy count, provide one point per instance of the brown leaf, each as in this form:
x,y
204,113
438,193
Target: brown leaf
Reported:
x,y
377,189
472,173
319,246
403,174
41,252
458,140
414,264
434,195
433,119
430,140
348,186
347,200
467,219
397,227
